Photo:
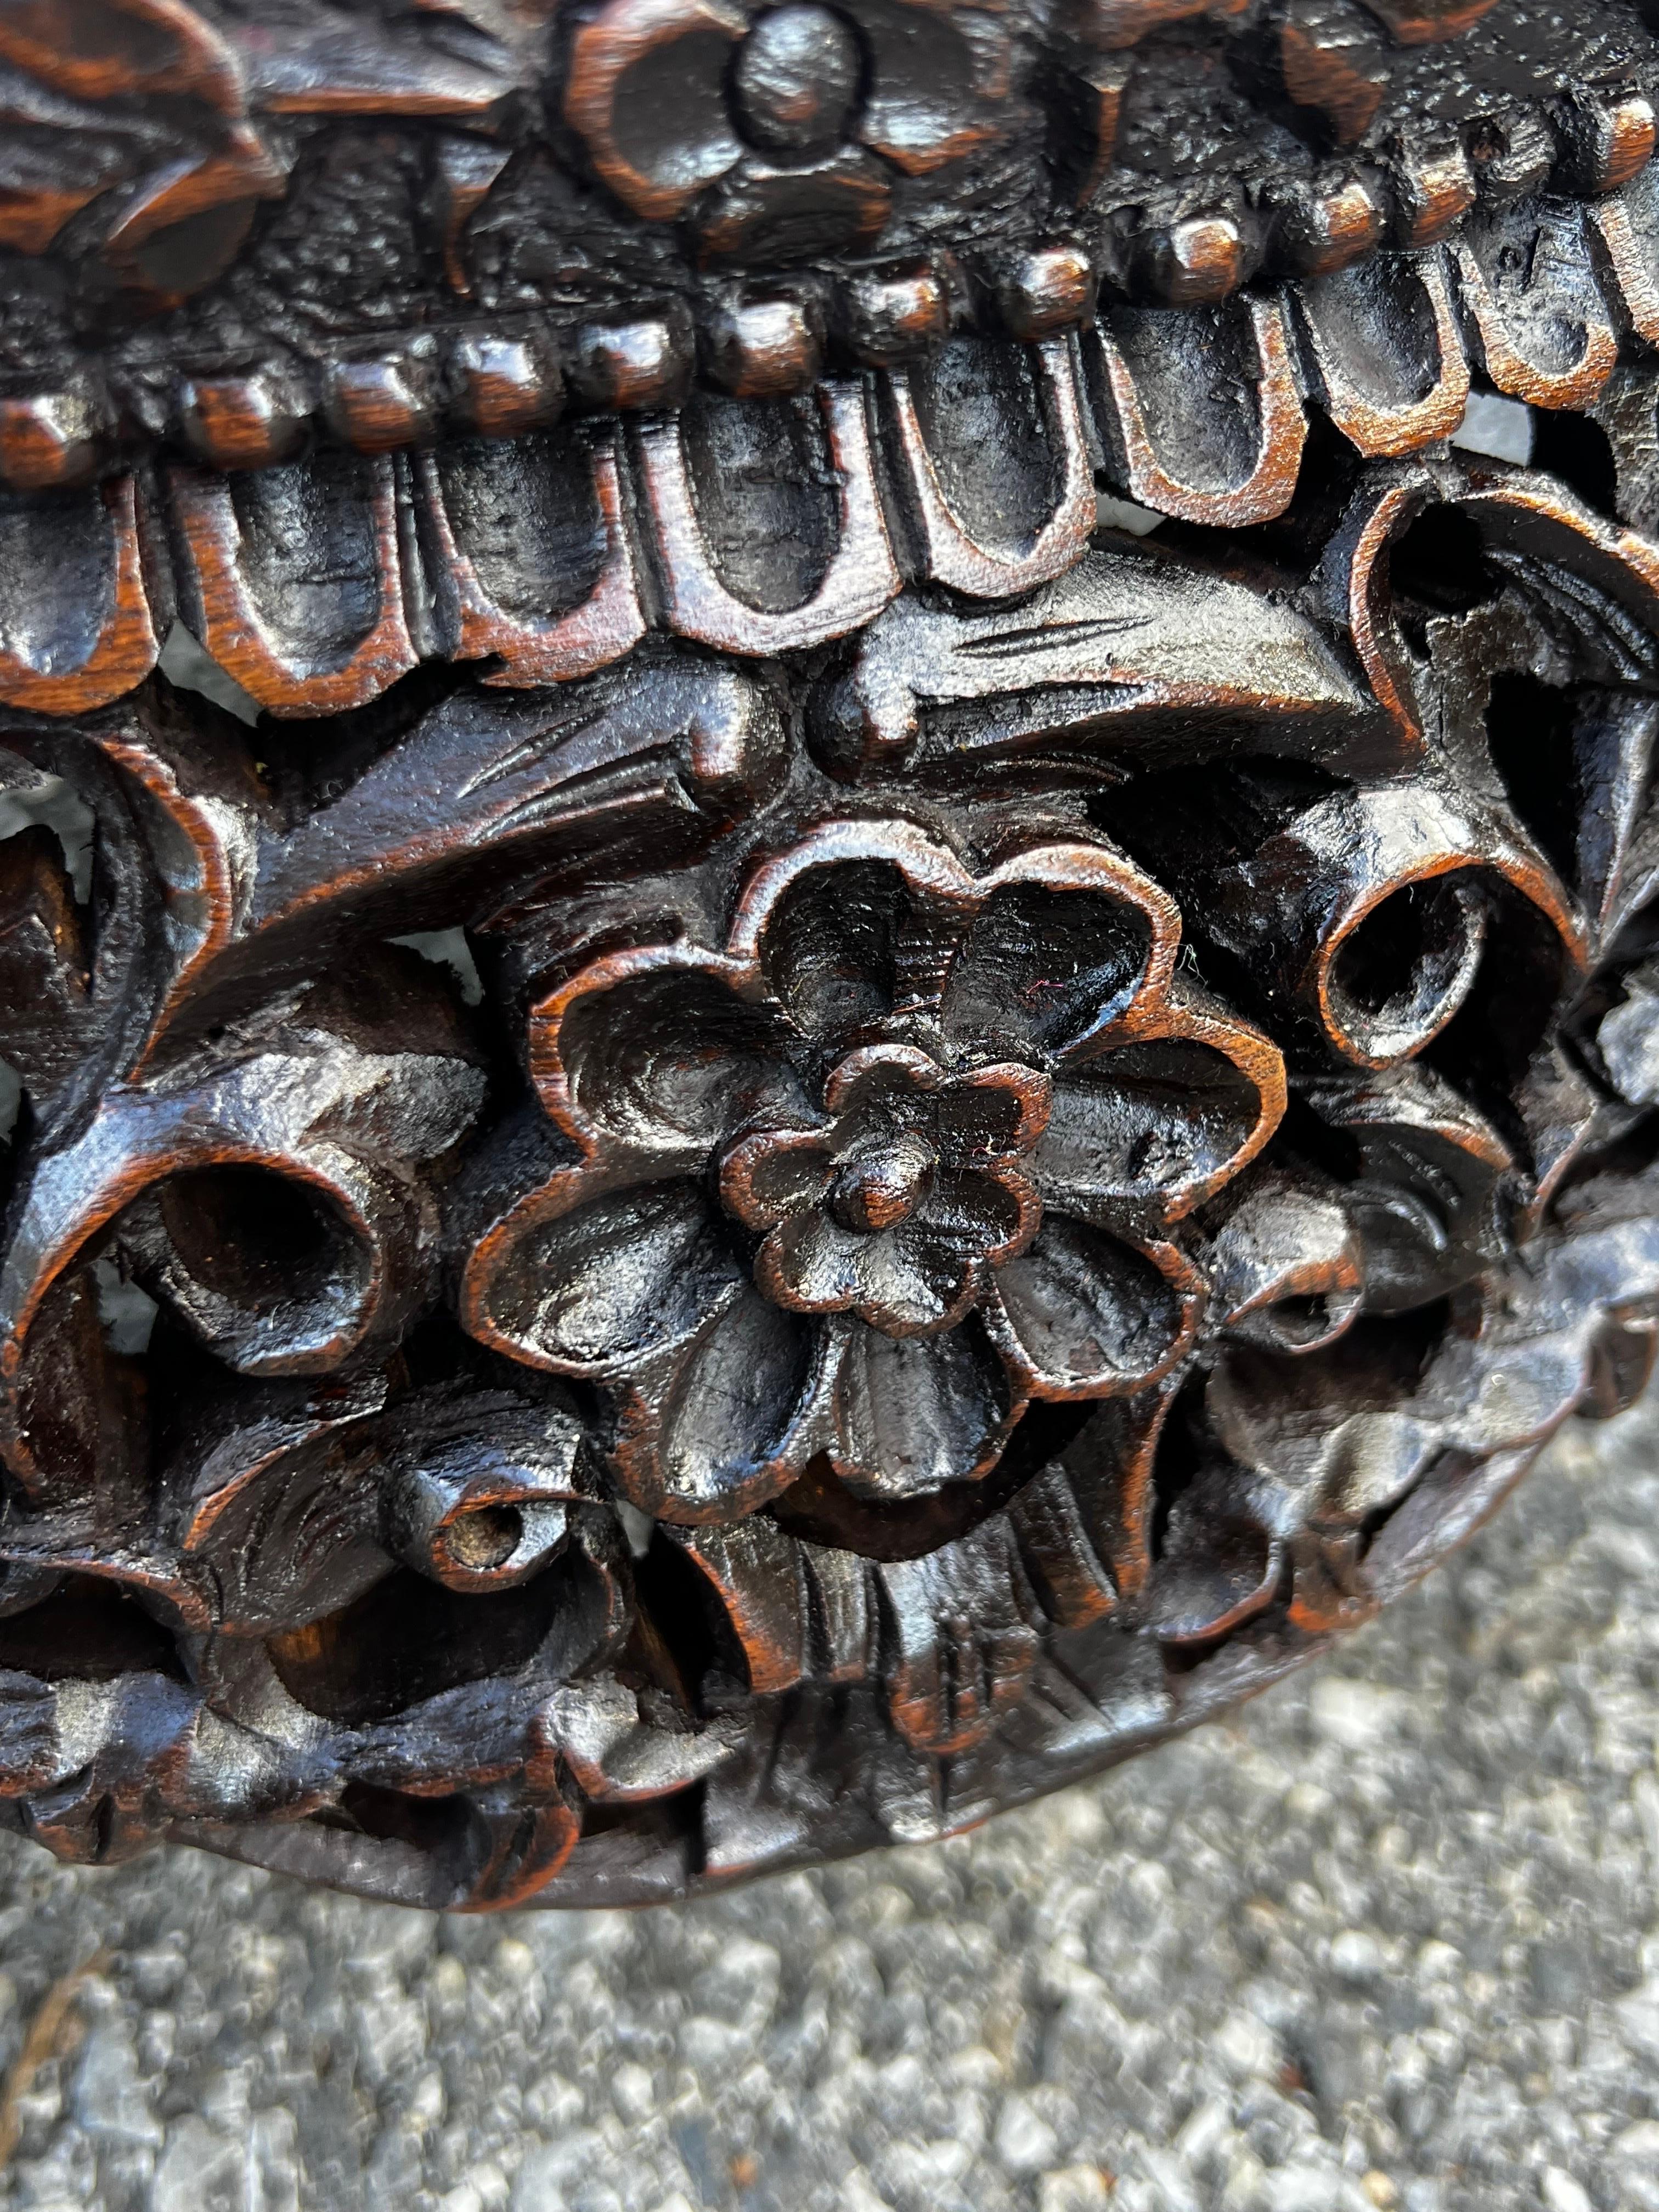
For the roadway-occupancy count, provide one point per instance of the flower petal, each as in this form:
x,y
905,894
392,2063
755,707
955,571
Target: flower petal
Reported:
x,y
723,1446
993,1213
1218,1567
832,945
1041,969
1083,1316
774,1174
667,1054
625,1275
1334,1436
913,1413
784,212
919,1278
89,49
924,108
810,1263
645,90
1146,1131
889,1082
1000,1109
1285,1267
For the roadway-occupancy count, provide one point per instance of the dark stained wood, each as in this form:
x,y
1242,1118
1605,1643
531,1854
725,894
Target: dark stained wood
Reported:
x,y
891,1007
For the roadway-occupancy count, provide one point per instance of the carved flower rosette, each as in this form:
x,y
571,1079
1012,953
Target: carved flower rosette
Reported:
x,y
780,132
899,1157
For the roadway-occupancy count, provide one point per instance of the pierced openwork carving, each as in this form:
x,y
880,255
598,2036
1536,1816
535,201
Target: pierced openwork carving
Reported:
x,y
890,1003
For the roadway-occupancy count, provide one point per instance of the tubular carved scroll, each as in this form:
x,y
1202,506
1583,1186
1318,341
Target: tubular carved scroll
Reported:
x,y
827,966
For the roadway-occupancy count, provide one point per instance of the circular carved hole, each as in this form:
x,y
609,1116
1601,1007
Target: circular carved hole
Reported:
x,y
249,1235
1398,976
485,1538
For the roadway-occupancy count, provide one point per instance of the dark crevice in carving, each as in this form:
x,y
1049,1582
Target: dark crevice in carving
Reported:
x,y
819,1509
1577,450
681,1644
1532,729
435,1827
1438,566
1181,1450
408,1639
87,1630
1485,1046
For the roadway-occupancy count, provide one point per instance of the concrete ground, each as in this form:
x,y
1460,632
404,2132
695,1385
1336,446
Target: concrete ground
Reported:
x,y
1391,1938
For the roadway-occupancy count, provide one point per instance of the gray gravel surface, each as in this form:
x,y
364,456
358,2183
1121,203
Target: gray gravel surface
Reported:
x,y
1391,1938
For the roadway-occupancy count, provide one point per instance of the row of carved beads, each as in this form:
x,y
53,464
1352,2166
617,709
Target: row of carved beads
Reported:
x,y
868,479
1523,264
167,216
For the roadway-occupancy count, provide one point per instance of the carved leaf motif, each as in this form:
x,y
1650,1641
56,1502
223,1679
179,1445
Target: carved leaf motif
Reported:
x,y
963,1645
1124,635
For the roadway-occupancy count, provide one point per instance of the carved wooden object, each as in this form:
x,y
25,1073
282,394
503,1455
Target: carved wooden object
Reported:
x,y
893,1005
